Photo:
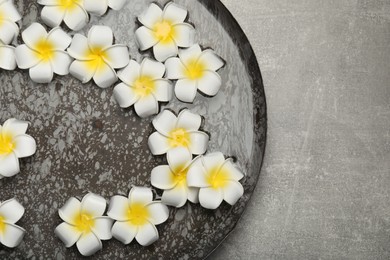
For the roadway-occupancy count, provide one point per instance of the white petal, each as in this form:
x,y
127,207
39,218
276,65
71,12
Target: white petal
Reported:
x,y
118,208
153,69
77,18
165,122
232,192
193,194
151,16
25,57
176,197
105,76
61,62
178,159
8,31
159,213
52,15
12,235
146,106
158,144
70,210
118,56
199,142
93,204
185,90
164,90
213,161
210,83
175,68
9,165
9,11
145,38
25,146
60,39
33,34
188,120
190,54
125,95
163,51
116,4
210,198
162,177
196,176
141,195
130,73
185,35
100,35
79,47
68,234
147,234
42,72
235,174
11,211
48,2
102,227
124,232
89,244
7,61
211,60
174,13
97,7
81,71
15,126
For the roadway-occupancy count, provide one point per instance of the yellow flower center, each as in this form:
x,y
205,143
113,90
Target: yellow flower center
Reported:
x,y
138,214
96,56
6,143
84,222
179,138
44,50
2,224
144,86
217,178
164,31
68,4
180,176
195,69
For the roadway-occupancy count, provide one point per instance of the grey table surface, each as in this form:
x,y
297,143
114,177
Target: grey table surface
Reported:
x,y
325,185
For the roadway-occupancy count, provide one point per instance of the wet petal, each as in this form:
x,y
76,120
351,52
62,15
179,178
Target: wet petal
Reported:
x,y
151,16
105,76
176,197
11,211
210,198
178,159
163,51
93,204
185,35
210,83
185,90
164,90
188,120
71,208
145,38
100,35
102,227
159,213
96,7
68,234
79,47
124,232
12,235
77,18
158,144
42,72
118,208
52,15
89,244
8,61
232,192
175,68
25,57
174,13
130,73
165,122
141,195
118,56
162,177
25,146
211,60
147,234
146,106
125,95
33,34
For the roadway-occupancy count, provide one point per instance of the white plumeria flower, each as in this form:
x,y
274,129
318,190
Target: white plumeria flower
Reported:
x,y
195,70
99,7
143,87
172,178
84,224
71,12
136,216
7,57
44,53
14,144
8,18
11,235
165,31
97,57
218,180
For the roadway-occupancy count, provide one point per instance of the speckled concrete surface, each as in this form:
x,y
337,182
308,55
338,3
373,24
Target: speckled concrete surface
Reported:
x,y
324,192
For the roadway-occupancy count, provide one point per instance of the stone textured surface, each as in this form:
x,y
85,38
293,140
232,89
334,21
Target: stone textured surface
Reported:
x,y
324,192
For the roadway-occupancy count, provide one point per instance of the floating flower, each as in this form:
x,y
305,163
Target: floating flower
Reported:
x,y
71,12
165,31
172,178
11,211
195,70
44,53
14,144
143,86
84,224
96,57
218,180
137,216
99,7
7,54
8,18
178,131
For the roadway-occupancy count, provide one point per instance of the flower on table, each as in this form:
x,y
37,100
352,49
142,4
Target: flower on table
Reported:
x,y
178,131
14,144
71,12
99,7
7,54
96,57
172,178
84,224
137,216
11,235
218,180
8,18
143,86
195,70
44,53
164,30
